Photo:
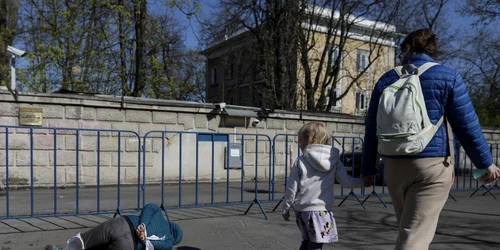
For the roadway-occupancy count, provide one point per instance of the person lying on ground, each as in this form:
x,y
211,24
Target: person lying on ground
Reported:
x,y
148,231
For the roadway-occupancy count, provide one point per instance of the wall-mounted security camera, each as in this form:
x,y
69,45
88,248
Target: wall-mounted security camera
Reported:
x,y
255,122
220,105
16,52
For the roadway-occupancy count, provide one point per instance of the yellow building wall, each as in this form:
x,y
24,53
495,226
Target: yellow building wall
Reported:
x,y
383,63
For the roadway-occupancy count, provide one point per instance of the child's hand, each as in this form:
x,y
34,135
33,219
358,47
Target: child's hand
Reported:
x,y
141,232
286,215
368,181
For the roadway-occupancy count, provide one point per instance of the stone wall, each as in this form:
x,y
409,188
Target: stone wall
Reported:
x,y
93,123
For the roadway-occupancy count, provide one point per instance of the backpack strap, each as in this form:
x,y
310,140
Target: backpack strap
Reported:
x,y
398,70
403,70
449,133
424,67
451,143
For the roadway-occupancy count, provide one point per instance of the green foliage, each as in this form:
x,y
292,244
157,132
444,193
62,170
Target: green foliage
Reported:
x,y
90,46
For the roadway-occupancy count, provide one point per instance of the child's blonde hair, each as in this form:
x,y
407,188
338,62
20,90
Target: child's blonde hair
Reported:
x,y
313,133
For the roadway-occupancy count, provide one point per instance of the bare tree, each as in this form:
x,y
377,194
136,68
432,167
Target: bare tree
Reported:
x,y
322,56
272,44
486,11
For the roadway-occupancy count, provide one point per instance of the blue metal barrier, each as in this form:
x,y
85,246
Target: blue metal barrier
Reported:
x,y
20,132
206,176
351,165
288,160
494,148
166,138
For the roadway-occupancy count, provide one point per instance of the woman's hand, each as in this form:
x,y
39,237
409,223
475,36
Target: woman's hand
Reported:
x,y
492,175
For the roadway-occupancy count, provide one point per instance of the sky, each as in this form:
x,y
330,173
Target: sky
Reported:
x,y
457,22
192,27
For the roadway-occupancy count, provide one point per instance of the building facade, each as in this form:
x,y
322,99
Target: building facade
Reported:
x,y
367,51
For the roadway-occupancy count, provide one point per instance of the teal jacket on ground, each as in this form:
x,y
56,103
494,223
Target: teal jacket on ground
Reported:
x,y
152,217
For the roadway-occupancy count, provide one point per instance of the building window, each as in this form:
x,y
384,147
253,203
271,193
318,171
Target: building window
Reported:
x,y
333,54
360,100
231,71
240,70
214,76
362,60
338,103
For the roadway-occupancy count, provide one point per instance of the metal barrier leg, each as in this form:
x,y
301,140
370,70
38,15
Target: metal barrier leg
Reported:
x,y
256,201
375,194
483,187
277,205
491,188
162,207
355,196
453,197
118,211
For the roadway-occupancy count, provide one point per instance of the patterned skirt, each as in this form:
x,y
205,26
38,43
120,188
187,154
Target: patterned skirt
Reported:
x,y
317,226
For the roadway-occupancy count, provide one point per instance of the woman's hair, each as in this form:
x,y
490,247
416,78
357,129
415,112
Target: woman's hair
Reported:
x,y
313,133
421,41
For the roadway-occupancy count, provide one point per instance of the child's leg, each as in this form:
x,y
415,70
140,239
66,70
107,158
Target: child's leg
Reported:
x,y
304,245
314,246
321,228
303,230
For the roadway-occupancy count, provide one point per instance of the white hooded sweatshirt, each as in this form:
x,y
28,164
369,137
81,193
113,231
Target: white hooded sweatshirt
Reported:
x,y
311,181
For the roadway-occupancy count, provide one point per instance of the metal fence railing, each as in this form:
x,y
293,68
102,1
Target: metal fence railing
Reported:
x,y
76,171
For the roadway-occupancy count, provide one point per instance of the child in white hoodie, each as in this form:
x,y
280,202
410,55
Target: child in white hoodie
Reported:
x,y
310,187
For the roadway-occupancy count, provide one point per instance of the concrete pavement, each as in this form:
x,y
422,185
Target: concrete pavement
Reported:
x,y
470,223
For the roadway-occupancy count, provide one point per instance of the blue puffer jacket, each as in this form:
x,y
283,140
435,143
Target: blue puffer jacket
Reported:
x,y
444,92
152,217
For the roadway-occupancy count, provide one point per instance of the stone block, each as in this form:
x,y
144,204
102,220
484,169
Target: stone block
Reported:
x,y
145,128
127,127
214,123
80,113
16,142
8,121
52,111
131,176
129,159
46,142
275,124
164,117
344,128
60,126
294,125
89,113
3,160
495,137
64,158
186,119
331,127
74,112
110,115
142,116
488,136
8,109
171,128
261,147
23,158
201,121
132,145
94,125
358,129
90,159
